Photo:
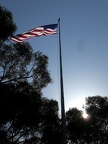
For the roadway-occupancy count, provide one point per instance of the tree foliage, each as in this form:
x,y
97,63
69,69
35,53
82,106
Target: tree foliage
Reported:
x,y
75,126
19,111
51,129
97,108
7,25
19,63
25,116
94,129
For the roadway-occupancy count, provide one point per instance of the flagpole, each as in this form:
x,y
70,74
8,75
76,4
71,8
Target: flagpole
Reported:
x,y
64,138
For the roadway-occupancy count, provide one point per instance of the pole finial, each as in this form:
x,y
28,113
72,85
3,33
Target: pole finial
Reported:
x,y
58,19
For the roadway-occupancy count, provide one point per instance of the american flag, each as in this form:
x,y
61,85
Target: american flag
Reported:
x,y
36,32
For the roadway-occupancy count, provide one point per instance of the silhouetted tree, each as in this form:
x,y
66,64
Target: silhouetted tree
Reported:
x,y
75,126
23,74
19,63
97,108
19,111
94,129
7,25
51,129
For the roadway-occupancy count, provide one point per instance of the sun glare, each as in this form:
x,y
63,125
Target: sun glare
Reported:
x,y
85,115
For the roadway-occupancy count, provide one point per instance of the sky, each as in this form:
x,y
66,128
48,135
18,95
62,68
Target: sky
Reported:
x,y
84,43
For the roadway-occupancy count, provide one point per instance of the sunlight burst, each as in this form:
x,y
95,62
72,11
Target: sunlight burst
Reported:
x,y
85,115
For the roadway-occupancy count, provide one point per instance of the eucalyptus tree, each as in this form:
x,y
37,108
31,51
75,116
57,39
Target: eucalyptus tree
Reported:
x,y
92,130
75,126
50,122
97,108
19,112
7,24
23,75
18,62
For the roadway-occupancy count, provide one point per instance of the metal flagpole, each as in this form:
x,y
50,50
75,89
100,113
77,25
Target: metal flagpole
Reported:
x,y
64,138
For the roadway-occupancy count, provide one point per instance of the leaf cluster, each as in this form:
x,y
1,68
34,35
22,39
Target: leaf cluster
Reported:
x,y
93,129
26,115
7,25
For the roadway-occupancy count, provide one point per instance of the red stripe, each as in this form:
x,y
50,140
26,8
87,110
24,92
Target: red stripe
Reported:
x,y
36,32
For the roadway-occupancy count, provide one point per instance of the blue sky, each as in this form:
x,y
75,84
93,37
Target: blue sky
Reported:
x,y
84,39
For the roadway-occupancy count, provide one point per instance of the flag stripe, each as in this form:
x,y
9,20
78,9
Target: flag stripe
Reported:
x,y
36,32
